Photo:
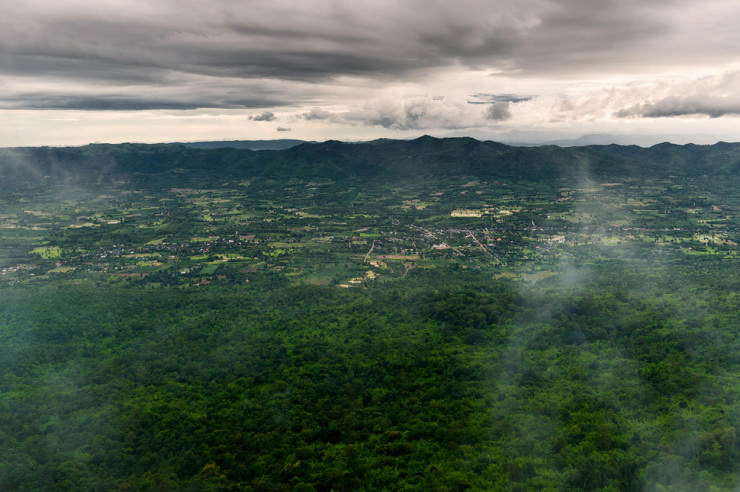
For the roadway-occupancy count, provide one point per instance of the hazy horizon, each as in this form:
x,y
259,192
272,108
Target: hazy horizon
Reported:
x,y
644,141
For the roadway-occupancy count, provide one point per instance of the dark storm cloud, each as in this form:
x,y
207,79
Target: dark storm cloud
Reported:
x,y
117,103
55,100
498,111
171,44
498,104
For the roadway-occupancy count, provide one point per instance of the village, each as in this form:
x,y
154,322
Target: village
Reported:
x,y
240,231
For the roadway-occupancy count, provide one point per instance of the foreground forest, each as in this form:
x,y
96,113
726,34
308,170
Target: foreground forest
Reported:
x,y
423,315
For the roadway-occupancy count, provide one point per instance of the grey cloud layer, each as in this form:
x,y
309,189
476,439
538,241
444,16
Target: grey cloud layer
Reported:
x,y
685,106
714,97
481,98
226,54
319,40
498,111
415,113
263,116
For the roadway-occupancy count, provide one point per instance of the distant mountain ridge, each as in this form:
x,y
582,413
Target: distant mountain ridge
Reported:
x,y
602,139
279,144
387,160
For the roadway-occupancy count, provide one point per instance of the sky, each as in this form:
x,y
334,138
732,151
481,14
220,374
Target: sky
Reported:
x,y
82,71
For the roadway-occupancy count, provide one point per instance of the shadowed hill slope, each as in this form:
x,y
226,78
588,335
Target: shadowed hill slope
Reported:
x,y
383,160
